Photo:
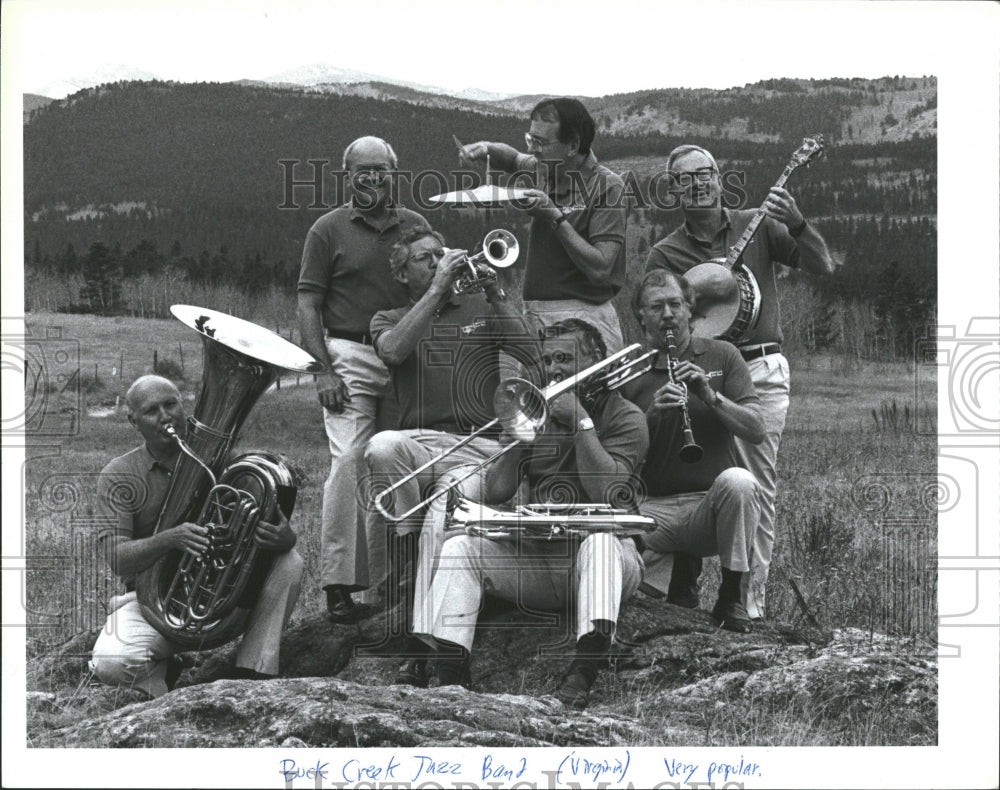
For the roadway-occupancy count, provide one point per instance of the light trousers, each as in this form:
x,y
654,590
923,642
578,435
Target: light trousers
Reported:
x,y
130,652
601,573
771,380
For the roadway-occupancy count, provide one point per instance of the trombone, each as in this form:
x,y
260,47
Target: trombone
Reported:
x,y
500,250
522,411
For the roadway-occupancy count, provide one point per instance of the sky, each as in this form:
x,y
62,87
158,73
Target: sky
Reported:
x,y
513,46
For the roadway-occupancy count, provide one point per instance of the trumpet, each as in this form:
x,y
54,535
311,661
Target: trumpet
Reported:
x,y
522,411
499,250
691,451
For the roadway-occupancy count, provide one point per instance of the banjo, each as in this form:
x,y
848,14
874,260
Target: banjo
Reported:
x,y
727,296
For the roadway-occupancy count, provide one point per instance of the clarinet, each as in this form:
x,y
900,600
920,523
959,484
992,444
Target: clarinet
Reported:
x,y
691,452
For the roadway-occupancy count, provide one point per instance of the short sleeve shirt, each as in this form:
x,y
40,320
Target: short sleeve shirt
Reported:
x,y
554,473
346,259
594,204
448,382
771,244
664,473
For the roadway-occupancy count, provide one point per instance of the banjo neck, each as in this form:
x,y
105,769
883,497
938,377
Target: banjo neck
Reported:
x,y
736,251
811,148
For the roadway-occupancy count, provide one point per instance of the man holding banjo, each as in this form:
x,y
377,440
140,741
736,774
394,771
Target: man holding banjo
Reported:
x,y
711,231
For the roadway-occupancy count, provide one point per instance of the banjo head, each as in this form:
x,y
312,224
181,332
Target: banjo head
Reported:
x,y
717,298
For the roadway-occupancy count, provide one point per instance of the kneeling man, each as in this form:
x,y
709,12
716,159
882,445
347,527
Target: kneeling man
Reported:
x,y
129,651
710,507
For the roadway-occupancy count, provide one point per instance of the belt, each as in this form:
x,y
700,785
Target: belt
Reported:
x,y
355,337
760,351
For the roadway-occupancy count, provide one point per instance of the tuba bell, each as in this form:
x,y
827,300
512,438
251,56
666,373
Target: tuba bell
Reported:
x,y
203,602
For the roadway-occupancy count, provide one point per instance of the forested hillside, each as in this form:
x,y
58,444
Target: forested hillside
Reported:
x,y
163,184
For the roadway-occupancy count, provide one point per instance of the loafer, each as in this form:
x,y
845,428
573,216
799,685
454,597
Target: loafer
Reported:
x,y
340,607
732,616
574,690
413,672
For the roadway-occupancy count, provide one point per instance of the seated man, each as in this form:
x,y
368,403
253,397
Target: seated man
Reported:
x,y
588,452
132,488
442,352
710,507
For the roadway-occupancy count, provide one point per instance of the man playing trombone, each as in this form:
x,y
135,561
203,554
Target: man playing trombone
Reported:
x,y
709,506
592,445
442,351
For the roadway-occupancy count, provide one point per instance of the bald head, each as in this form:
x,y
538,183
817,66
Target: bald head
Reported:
x,y
144,385
368,150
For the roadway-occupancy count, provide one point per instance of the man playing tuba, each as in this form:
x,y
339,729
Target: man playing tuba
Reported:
x,y
129,652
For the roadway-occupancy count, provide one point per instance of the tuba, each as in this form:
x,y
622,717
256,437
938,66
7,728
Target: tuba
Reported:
x,y
203,602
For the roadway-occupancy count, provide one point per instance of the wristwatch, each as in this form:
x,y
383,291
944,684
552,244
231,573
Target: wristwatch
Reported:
x,y
797,230
558,220
586,424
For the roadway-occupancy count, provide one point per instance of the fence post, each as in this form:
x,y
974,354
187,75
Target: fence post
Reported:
x,y
154,360
121,365
180,350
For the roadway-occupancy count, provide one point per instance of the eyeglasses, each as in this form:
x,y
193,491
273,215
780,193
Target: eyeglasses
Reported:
x,y
426,257
371,176
535,142
702,176
557,358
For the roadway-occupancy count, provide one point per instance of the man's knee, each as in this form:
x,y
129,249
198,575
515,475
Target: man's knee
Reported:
x,y
117,669
383,448
738,482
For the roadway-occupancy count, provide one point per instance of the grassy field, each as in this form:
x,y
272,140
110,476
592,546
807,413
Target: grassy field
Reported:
x,y
853,483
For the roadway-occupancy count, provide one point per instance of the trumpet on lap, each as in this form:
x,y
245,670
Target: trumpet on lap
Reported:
x,y
522,410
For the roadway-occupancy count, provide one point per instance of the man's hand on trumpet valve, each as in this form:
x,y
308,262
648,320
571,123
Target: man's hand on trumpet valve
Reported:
x,y
275,537
446,271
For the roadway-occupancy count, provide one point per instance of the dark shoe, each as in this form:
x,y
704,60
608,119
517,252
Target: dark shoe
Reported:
x,y
413,672
732,616
176,665
245,673
683,589
340,608
453,672
575,690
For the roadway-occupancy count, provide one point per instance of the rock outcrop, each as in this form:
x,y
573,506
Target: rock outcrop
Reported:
x,y
675,680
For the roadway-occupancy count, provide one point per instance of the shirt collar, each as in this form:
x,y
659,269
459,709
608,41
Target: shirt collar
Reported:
x,y
381,224
727,223
588,169
149,462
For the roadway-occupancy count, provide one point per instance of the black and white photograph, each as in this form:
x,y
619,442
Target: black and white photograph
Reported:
x,y
500,395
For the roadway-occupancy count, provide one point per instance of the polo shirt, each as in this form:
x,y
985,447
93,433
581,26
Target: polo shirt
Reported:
x,y
447,382
346,258
552,469
131,490
771,244
664,473
598,213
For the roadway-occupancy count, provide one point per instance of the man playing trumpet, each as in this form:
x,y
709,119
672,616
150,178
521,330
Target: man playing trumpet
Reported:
x,y
712,506
442,351
589,452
